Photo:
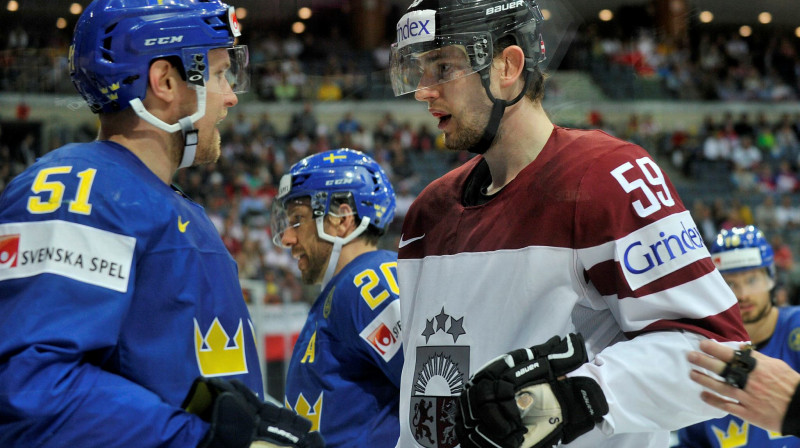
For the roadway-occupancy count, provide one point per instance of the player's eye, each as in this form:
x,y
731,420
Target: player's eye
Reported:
x,y
296,220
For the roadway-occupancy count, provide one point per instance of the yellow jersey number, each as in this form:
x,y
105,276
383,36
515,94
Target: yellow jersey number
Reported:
x,y
369,282
45,185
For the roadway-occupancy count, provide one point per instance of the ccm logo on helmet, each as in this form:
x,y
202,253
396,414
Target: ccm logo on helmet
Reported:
x,y
338,182
163,40
507,6
660,249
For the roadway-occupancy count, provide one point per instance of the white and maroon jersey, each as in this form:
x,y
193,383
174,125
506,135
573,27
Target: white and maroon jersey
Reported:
x,y
591,238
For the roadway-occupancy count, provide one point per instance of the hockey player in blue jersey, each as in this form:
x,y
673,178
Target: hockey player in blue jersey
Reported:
x,y
344,374
746,260
122,322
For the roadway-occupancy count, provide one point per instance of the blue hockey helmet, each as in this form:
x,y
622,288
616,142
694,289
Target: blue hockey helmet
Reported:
x,y
115,41
741,249
332,176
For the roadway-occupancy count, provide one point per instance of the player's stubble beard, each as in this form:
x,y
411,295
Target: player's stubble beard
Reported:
x,y
318,258
470,125
763,313
209,142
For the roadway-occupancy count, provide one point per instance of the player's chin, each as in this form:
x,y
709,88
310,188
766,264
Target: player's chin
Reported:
x,y
209,153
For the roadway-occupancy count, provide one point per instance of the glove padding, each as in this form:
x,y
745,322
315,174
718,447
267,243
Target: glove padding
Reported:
x,y
240,420
518,400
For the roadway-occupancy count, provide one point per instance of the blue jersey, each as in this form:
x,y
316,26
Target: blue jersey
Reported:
x,y
731,431
344,375
116,292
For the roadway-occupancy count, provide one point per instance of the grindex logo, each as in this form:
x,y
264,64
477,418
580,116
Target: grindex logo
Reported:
x,y
659,249
416,26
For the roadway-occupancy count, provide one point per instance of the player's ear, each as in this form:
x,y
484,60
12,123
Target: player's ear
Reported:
x,y
163,80
510,64
347,222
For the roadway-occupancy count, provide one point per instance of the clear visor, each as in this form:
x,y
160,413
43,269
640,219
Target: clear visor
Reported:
x,y
233,74
445,58
280,222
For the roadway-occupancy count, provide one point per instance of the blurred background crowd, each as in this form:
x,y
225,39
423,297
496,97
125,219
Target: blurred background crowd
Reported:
x,y
716,105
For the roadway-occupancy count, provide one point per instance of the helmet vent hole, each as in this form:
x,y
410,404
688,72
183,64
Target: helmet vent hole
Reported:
x,y
217,24
107,55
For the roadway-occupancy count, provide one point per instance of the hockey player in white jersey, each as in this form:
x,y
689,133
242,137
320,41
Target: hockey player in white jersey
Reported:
x,y
552,286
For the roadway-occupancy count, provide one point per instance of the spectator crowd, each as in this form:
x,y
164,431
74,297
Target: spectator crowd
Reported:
x,y
736,168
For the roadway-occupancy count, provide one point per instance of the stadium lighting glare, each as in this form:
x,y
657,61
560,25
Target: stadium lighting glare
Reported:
x,y
765,18
241,13
706,17
304,13
745,31
12,6
75,9
298,27
61,23
605,15
546,14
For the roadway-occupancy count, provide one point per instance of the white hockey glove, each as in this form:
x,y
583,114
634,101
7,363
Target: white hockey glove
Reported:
x,y
240,420
521,399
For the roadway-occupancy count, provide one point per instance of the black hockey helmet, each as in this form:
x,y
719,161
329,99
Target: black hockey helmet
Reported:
x,y
474,25
442,40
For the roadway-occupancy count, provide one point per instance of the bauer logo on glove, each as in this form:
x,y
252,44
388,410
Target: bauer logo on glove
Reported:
x,y
522,399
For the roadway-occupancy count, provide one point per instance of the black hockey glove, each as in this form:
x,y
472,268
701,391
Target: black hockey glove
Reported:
x,y
240,420
518,400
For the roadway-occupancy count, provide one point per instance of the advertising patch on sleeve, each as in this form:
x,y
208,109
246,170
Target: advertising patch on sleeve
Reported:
x,y
383,333
76,251
659,249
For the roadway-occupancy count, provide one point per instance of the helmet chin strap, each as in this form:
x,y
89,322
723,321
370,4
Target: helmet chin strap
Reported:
x,y
498,107
185,124
338,243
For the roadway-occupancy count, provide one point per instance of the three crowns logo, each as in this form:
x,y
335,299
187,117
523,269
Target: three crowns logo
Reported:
x,y
734,437
214,355
304,409
113,88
